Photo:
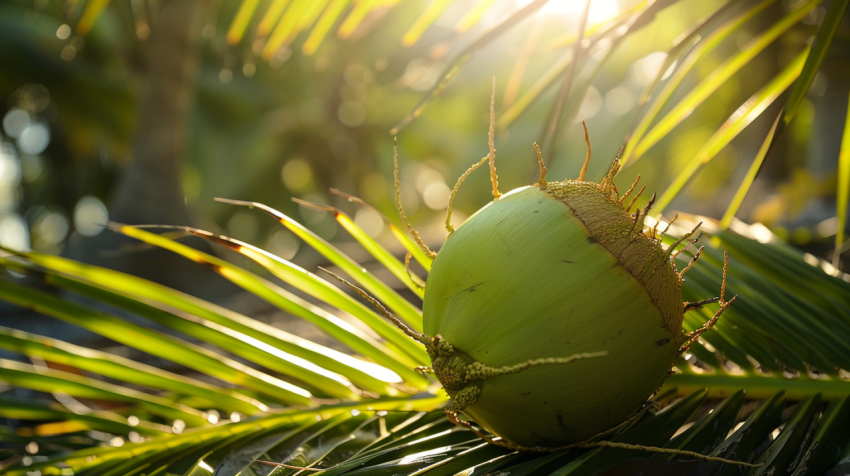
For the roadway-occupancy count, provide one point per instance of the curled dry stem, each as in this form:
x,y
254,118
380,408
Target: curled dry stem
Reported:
x,y
317,206
417,336
640,215
543,169
417,281
401,214
648,206
449,227
358,201
608,181
629,191
494,179
634,200
593,441
676,243
690,306
677,253
667,228
691,263
655,449
479,371
692,337
586,157
287,466
654,232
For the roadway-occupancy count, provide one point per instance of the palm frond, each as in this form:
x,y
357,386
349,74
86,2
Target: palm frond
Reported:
x,y
781,343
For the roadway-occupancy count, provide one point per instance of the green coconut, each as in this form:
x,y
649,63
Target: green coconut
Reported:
x,y
553,314
554,271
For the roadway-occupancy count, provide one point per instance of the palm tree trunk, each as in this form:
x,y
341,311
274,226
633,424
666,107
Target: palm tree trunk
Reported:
x,y
149,190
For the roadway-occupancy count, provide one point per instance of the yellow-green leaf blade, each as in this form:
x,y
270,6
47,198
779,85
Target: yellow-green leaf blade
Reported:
x,y
412,248
404,309
379,252
826,33
429,16
241,20
842,195
90,15
49,380
154,343
719,76
366,375
120,368
326,21
699,50
272,15
332,325
40,410
737,122
315,286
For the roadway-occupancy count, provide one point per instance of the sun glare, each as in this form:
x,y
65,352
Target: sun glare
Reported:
x,y
600,10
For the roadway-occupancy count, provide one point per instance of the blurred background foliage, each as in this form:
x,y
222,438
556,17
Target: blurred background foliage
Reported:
x,y
251,100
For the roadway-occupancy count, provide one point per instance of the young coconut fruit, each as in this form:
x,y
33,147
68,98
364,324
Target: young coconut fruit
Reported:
x,y
544,275
549,274
550,270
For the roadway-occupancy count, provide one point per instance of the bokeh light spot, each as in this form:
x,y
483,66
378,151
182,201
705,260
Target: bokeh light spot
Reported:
x,y
590,105
10,168
356,74
283,244
424,176
436,196
15,121
297,175
90,216
352,113
619,101
370,221
243,225
373,188
63,32
49,229
34,139
31,167
68,53
13,232
644,70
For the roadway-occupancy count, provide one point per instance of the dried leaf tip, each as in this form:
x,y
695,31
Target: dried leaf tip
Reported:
x,y
417,336
692,337
606,183
543,169
673,246
629,191
449,227
587,157
401,215
494,179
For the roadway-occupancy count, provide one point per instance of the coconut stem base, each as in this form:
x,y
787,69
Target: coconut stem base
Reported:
x,y
461,376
